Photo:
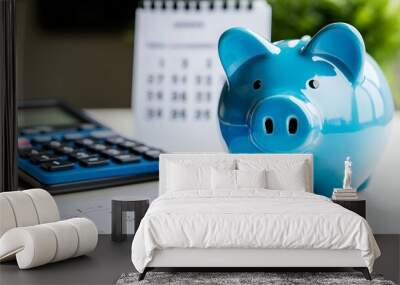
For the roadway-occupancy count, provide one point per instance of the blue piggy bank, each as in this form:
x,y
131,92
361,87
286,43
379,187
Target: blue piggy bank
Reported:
x,y
323,95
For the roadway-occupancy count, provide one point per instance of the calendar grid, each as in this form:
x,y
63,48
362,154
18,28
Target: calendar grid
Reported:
x,y
177,74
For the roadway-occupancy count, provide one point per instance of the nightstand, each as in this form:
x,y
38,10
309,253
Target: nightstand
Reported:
x,y
357,206
119,205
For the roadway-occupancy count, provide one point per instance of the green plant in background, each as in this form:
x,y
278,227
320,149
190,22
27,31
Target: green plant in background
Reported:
x,y
377,20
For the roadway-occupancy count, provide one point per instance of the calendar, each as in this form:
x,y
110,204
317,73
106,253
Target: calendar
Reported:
x,y
177,75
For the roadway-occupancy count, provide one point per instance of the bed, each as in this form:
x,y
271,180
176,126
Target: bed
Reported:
x,y
245,211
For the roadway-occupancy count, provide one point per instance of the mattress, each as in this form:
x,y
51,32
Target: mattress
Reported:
x,y
250,219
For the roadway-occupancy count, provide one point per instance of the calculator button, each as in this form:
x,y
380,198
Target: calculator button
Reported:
x,y
41,139
36,159
115,140
73,136
57,165
79,154
111,152
87,127
128,144
23,143
97,147
28,152
93,161
53,145
141,149
102,134
66,149
126,158
85,142
152,154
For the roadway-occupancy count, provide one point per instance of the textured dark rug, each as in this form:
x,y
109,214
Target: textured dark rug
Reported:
x,y
232,278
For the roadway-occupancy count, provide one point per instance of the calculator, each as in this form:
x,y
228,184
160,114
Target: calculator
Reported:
x,y
61,149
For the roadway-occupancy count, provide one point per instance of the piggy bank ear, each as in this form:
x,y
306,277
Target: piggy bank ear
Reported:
x,y
237,45
342,45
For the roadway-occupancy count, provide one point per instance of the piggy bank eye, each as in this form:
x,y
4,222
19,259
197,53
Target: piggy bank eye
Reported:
x,y
313,83
257,84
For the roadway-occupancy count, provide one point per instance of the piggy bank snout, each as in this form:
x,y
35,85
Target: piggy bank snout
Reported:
x,y
283,123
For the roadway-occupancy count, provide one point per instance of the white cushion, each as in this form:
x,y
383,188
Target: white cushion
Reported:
x,y
187,174
243,161
26,235
7,218
87,233
45,206
251,179
223,179
226,179
292,179
32,246
188,177
23,208
281,175
67,237
26,208
40,244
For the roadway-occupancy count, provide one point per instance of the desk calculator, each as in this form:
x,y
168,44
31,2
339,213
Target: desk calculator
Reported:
x,y
61,149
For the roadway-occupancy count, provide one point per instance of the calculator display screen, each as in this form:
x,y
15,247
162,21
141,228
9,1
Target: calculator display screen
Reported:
x,y
46,116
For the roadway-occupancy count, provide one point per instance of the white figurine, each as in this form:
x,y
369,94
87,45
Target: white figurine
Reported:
x,y
347,174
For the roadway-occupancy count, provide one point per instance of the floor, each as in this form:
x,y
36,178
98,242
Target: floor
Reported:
x,y
389,262
103,266
110,260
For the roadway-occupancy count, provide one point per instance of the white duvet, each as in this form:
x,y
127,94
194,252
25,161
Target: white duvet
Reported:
x,y
250,219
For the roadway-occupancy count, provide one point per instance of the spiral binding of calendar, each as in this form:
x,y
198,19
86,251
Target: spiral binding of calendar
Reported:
x,y
196,4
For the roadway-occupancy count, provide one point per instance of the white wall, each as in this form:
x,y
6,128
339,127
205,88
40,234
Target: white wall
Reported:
x,y
383,193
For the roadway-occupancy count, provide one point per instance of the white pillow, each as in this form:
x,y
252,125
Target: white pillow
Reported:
x,y
227,179
188,177
251,178
223,179
282,174
292,179
193,174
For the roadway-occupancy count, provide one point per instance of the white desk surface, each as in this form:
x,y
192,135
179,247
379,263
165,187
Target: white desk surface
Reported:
x,y
120,120
96,204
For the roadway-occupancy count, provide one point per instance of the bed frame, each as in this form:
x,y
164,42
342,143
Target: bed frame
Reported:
x,y
236,259
260,259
